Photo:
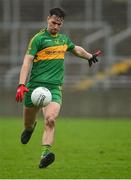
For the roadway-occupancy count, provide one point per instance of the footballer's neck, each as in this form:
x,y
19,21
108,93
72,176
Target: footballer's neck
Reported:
x,y
51,33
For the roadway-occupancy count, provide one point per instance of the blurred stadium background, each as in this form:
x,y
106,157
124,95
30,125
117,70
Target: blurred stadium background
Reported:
x,y
102,91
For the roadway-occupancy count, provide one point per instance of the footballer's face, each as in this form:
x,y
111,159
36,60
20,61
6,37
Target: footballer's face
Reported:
x,y
54,24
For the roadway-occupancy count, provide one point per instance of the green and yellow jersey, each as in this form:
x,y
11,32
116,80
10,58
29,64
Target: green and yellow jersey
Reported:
x,y
48,52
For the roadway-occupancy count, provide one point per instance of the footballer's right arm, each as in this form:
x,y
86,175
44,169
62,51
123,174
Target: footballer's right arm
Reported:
x,y
28,59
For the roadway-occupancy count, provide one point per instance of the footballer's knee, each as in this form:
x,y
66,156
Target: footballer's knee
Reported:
x,y
50,121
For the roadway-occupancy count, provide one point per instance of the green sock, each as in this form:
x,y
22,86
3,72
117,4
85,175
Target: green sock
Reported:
x,y
45,149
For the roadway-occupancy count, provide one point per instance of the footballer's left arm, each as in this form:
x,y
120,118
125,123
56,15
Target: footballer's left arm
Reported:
x,y
81,52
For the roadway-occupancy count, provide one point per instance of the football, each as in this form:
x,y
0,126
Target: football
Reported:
x,y
41,97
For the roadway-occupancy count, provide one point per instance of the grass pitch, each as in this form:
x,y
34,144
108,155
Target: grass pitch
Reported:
x,y
84,149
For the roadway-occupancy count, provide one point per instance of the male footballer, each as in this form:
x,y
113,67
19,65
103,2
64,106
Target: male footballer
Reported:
x,y
45,57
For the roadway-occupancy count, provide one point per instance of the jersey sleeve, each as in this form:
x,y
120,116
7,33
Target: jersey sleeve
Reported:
x,y
33,46
70,44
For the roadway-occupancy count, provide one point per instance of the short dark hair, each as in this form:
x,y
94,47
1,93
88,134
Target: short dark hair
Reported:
x,y
58,12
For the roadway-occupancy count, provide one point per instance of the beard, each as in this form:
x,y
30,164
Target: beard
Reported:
x,y
54,31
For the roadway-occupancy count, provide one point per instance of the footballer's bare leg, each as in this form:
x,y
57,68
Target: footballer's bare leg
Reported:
x,y
29,116
29,123
51,112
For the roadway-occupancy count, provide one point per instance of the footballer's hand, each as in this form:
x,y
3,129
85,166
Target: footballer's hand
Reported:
x,y
94,58
21,89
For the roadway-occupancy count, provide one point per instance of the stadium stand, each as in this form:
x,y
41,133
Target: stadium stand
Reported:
x,y
90,23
